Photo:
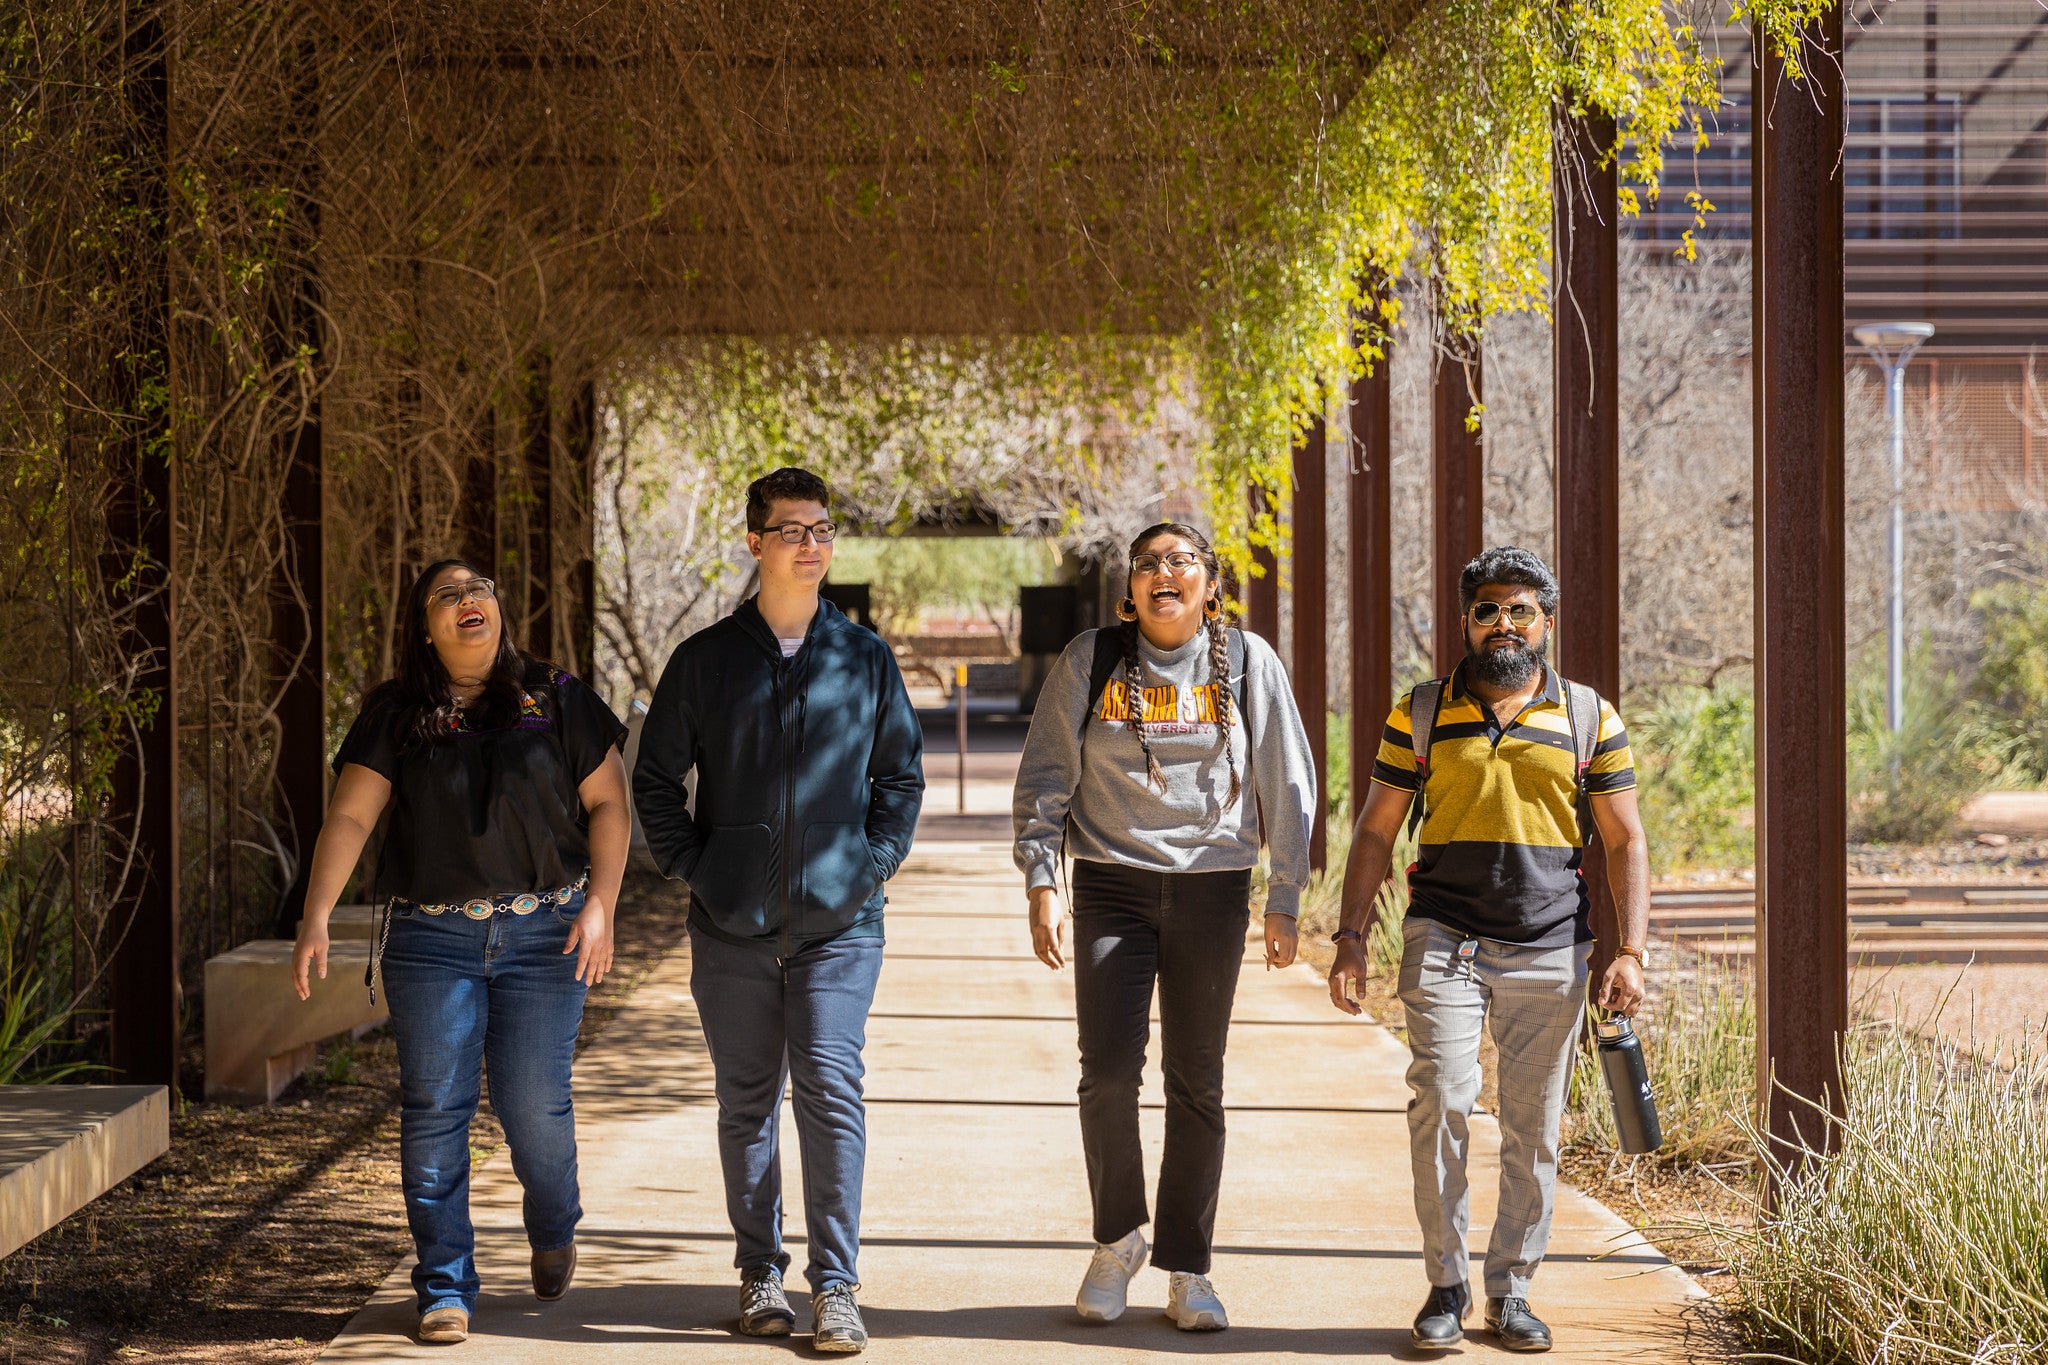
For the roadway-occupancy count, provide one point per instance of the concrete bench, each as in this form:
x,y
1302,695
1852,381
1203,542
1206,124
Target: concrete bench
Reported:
x,y
63,1146
259,1035
352,922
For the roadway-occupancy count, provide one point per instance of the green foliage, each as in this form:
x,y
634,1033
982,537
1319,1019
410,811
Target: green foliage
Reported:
x,y
2012,674
1699,1040
913,575
1909,787
1917,1236
1696,775
1337,790
338,1065
1439,166
35,947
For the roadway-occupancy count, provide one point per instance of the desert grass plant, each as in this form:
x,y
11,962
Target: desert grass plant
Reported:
x,y
1322,901
1695,759
1921,1236
1909,786
1699,1039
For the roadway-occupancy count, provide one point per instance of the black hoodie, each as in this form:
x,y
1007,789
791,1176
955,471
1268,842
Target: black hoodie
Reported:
x,y
809,778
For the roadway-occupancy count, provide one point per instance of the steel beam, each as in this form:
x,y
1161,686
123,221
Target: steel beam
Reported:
x,y
142,570
299,594
1802,907
537,545
299,644
1371,568
1311,589
1587,440
1262,594
580,440
477,521
1460,502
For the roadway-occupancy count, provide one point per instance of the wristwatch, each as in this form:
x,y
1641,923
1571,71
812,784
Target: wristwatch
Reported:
x,y
1641,955
1351,934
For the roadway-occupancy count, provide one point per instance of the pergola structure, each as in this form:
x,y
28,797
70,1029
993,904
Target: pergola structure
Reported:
x,y
1024,174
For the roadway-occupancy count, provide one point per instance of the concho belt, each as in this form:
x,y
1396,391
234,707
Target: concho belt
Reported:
x,y
482,908
520,903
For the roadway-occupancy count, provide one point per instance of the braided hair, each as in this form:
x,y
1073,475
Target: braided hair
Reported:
x,y
1219,660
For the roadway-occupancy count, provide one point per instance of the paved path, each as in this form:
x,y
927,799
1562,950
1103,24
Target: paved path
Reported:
x,y
976,1209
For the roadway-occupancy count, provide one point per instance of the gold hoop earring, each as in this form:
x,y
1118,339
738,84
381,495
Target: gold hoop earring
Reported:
x,y
1126,610
1212,608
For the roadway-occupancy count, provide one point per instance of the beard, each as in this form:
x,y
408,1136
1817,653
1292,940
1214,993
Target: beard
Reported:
x,y
1510,666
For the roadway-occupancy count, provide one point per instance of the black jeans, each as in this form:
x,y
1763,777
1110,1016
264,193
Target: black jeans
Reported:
x,y
1187,931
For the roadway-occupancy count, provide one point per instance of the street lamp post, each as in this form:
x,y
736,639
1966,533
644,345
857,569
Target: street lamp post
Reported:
x,y
1890,345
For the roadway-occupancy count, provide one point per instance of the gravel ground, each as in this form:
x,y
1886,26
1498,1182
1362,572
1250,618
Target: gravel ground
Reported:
x,y
1983,1006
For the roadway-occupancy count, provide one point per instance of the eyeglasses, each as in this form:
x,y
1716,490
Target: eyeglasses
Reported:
x,y
455,594
793,532
1520,614
1178,561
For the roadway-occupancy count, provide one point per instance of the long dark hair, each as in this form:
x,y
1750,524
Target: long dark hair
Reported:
x,y
422,688
1219,655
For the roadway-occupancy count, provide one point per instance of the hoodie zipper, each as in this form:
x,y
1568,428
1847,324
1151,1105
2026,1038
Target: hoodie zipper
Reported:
x,y
788,810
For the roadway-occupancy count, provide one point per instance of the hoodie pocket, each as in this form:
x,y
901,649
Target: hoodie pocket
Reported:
x,y
838,875
731,879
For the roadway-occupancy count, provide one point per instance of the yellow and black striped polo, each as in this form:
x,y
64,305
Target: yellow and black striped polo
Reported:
x,y
1500,840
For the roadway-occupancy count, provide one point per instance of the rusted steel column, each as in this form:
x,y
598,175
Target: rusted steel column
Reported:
x,y
1311,589
142,515
1371,576
1262,594
1460,465
299,596
1587,440
580,440
477,521
1802,909
537,544
299,641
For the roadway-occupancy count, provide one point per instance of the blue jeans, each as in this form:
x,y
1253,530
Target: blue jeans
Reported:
x,y
767,1022
466,994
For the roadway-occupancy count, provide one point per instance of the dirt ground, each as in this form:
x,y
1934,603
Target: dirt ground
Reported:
x,y
264,1229
1985,1006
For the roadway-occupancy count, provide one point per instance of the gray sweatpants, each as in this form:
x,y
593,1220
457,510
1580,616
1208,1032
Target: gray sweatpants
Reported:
x,y
1532,999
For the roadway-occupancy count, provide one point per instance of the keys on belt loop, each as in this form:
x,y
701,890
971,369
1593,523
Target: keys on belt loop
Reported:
x,y
1467,953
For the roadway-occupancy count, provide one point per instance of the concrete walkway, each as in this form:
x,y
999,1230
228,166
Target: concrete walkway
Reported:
x,y
976,1226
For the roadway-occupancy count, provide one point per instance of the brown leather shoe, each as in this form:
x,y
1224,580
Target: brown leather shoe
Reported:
x,y
444,1326
552,1271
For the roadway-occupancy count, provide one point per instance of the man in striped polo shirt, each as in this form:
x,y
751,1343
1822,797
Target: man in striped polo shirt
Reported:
x,y
1497,932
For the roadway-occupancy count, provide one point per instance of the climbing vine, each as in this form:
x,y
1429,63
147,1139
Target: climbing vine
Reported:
x,y
1437,170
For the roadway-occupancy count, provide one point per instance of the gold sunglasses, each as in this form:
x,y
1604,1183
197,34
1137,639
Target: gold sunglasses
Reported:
x,y
1520,614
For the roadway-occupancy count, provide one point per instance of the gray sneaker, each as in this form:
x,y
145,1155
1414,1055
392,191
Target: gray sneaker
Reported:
x,y
837,1325
764,1309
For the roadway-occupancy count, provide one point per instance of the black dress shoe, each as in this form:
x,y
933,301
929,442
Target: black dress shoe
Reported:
x,y
552,1271
1442,1319
1517,1328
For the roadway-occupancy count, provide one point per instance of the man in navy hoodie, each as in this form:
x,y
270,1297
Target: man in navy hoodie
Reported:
x,y
809,768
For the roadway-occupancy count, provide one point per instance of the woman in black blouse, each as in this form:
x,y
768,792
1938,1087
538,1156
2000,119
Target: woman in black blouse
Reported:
x,y
507,839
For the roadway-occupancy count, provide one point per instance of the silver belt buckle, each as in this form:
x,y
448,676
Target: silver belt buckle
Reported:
x,y
525,903
479,909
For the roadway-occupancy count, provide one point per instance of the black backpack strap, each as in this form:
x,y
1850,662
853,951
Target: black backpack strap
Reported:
x,y
1582,708
1109,656
1425,703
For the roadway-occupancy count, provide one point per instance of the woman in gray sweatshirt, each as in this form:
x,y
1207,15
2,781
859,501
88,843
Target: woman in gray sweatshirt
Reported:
x,y
1162,755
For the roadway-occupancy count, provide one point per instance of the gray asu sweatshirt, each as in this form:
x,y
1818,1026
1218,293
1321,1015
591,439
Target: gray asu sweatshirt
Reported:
x,y
1089,767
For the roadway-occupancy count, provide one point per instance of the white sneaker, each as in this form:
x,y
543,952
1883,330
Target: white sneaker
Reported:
x,y
1109,1276
1192,1304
